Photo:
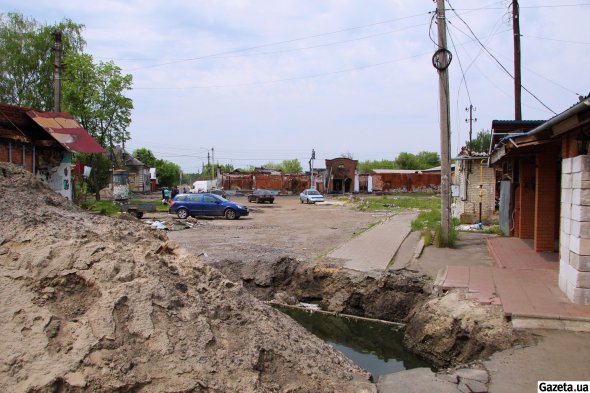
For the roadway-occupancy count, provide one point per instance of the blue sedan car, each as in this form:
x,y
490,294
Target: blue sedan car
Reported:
x,y
185,205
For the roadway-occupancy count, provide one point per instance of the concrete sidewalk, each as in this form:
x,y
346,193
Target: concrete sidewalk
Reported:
x,y
374,249
524,283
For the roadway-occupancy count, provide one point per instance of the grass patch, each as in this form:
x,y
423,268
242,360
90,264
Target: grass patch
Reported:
x,y
110,208
438,238
397,203
495,230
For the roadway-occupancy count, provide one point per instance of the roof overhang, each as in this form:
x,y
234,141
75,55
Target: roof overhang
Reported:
x,y
66,131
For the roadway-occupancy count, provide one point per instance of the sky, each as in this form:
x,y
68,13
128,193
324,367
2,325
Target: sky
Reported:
x,y
258,81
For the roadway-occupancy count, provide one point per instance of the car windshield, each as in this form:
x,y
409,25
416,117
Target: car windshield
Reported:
x,y
313,192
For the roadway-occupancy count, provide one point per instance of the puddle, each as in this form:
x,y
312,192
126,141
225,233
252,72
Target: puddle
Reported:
x,y
374,346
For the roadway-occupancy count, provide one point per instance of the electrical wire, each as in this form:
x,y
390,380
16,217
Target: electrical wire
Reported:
x,y
556,40
279,42
498,62
367,66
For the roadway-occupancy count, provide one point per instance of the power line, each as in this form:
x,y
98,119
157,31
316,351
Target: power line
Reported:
x,y
287,79
555,39
497,61
279,42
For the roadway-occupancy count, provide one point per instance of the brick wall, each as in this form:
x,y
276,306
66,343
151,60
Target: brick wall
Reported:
x,y
574,237
545,200
406,182
282,183
17,157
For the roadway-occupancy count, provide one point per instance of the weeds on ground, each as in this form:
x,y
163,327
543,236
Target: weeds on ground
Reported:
x,y
426,234
438,238
109,208
397,203
495,230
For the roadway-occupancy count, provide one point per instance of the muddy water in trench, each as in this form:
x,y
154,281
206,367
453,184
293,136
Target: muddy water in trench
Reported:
x,y
374,346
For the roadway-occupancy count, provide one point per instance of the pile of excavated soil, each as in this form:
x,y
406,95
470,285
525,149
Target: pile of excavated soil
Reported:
x,y
451,330
92,303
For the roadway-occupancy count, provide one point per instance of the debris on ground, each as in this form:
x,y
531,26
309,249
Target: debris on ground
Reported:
x,y
94,303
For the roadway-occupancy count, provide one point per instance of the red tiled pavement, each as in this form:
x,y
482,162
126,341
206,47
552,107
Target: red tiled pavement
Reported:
x,y
524,281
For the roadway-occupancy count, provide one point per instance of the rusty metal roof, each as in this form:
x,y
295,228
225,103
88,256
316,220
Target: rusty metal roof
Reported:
x,y
64,129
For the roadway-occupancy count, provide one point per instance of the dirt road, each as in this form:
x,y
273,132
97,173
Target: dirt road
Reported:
x,y
286,228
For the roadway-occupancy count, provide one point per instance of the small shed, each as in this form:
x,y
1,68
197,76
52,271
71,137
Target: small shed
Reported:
x,y
43,143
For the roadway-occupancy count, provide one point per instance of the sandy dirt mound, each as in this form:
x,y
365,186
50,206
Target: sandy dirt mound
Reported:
x,y
92,303
451,330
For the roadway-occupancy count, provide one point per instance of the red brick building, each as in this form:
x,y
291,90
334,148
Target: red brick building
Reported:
x,y
340,175
544,177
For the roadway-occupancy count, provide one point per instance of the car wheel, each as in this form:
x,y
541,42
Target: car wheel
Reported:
x,y
182,213
230,214
139,214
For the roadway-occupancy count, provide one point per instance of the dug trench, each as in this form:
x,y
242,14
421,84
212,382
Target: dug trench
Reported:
x,y
445,328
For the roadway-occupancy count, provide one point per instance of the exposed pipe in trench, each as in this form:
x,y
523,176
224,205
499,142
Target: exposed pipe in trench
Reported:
x,y
356,317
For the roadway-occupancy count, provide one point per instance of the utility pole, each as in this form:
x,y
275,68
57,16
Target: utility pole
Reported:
x,y
213,173
57,71
471,109
311,185
208,162
441,61
517,76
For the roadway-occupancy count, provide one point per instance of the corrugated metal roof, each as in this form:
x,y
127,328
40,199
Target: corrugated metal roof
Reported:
x,y
64,129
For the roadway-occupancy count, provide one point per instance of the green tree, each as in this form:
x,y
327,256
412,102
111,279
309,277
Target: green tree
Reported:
x,y
287,166
428,159
26,63
94,95
168,173
406,161
422,160
291,166
368,166
481,143
146,156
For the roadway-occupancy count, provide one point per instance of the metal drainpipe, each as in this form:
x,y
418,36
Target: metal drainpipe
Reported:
x,y
24,158
10,152
481,186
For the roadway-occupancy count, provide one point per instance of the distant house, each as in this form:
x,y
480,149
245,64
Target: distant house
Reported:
x,y
340,175
43,143
139,177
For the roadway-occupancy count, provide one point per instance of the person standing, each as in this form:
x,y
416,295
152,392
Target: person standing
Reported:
x,y
174,192
166,195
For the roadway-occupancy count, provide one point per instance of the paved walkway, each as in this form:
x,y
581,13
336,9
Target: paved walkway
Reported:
x,y
524,283
374,249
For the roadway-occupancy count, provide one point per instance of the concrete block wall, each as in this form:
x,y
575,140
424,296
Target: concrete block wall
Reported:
x,y
574,236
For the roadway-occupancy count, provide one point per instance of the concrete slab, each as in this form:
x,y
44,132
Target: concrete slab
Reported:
x,y
417,380
374,249
404,255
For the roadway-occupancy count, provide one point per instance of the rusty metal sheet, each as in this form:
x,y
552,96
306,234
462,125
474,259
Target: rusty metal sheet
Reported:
x,y
64,129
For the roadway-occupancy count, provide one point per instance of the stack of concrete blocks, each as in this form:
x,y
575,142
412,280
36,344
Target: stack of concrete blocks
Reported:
x,y
574,239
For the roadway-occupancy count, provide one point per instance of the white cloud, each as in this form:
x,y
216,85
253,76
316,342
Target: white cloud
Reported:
x,y
374,112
